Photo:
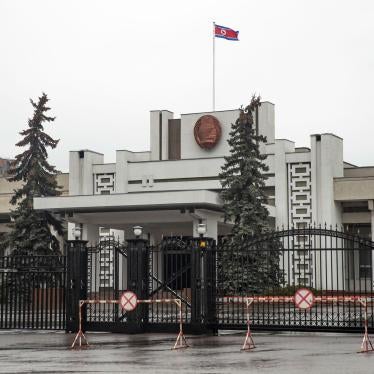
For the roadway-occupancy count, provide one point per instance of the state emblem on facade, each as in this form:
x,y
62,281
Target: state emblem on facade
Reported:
x,y
207,131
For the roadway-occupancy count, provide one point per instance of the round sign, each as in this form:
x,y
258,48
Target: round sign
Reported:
x,y
207,131
128,301
304,298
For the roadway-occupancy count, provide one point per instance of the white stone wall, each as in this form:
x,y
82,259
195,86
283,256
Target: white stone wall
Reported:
x,y
81,171
155,116
327,163
280,149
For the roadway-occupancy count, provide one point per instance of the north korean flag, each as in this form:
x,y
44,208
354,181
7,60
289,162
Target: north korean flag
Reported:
x,y
225,33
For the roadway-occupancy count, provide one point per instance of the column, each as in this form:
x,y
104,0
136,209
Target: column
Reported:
x,y
371,208
91,233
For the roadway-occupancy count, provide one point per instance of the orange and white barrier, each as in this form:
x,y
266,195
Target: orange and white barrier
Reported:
x,y
303,299
129,302
181,340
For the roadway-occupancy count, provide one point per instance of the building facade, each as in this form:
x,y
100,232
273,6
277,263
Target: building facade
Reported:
x,y
174,186
4,166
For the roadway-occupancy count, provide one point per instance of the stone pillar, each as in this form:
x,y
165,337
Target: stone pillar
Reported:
x,y
371,208
81,171
159,138
90,233
327,164
281,148
71,226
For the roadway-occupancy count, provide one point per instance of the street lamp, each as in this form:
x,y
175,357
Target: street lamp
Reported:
x,y
201,229
77,232
138,230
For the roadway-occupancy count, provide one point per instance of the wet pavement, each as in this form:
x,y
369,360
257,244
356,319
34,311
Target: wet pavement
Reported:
x,y
48,352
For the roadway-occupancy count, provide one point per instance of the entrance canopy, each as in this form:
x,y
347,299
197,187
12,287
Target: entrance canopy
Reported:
x,y
159,213
136,201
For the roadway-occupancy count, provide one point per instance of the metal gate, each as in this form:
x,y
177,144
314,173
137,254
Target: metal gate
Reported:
x,y
172,269
43,292
32,292
329,262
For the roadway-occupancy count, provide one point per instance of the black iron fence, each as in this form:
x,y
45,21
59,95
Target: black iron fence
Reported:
x,y
43,292
171,269
32,292
329,262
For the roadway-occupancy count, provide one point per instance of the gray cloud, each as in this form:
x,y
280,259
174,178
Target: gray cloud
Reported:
x,y
105,64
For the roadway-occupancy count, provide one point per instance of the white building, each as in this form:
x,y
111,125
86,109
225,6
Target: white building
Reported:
x,y
175,185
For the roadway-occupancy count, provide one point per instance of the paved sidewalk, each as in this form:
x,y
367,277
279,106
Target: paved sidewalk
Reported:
x,y
48,352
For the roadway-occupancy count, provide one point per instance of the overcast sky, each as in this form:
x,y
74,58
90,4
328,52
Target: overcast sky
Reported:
x,y
106,64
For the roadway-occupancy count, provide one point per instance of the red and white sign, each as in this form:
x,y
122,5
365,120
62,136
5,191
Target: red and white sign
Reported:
x,y
304,298
128,301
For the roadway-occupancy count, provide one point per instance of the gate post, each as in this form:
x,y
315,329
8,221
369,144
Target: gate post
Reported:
x,y
203,285
196,281
76,282
210,285
137,281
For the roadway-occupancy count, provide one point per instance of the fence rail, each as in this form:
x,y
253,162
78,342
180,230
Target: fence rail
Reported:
x,y
43,292
32,292
329,262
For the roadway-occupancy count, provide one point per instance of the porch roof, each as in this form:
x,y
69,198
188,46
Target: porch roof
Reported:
x,y
164,200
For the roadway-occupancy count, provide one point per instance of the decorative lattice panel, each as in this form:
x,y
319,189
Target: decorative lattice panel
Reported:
x,y
300,216
106,268
104,184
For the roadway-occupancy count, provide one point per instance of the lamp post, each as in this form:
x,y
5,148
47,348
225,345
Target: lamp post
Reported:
x,y
77,233
138,230
201,229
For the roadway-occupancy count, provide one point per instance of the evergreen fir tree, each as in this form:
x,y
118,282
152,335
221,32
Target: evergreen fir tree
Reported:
x,y
247,268
31,230
243,178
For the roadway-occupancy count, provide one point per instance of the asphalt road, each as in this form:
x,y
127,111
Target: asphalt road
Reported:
x,y
48,352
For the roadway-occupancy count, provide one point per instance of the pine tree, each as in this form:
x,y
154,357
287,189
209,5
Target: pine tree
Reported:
x,y
247,268
31,230
243,178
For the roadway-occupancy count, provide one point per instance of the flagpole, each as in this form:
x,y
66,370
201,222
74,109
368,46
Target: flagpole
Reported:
x,y
214,66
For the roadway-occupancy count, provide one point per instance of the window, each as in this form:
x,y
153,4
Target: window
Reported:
x,y
105,180
303,281
302,252
301,197
303,266
302,238
301,211
300,170
300,183
301,225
